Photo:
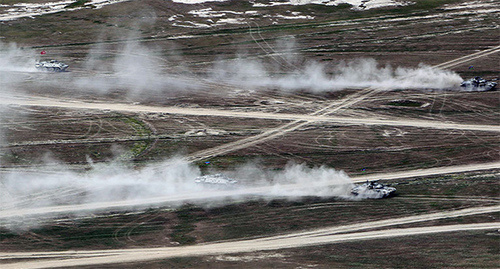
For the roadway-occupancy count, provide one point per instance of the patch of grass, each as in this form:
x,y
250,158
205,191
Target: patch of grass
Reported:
x,y
405,103
139,126
11,157
452,185
188,216
6,235
78,3
141,129
65,237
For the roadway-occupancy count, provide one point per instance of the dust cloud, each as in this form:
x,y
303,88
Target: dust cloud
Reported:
x,y
295,180
170,183
139,69
318,77
15,66
132,67
15,59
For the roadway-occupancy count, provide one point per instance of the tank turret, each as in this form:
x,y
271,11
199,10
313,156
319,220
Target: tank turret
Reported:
x,y
478,84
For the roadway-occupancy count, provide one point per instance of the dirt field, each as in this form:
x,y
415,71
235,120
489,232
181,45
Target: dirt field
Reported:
x,y
243,85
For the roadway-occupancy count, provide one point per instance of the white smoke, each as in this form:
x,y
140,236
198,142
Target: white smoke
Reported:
x,y
15,63
359,73
169,184
15,59
296,180
316,181
101,183
137,69
132,67
140,70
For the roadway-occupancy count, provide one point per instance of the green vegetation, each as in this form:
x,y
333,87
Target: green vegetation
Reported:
x,y
139,126
142,130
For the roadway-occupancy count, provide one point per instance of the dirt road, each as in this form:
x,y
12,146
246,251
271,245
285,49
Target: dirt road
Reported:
x,y
320,236
200,196
428,172
99,257
47,102
297,121
468,58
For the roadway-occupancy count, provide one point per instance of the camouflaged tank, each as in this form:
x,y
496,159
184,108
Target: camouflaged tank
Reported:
x,y
52,66
478,84
373,190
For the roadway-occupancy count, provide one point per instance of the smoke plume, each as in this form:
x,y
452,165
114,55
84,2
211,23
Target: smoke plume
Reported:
x,y
141,70
315,77
116,185
134,68
15,67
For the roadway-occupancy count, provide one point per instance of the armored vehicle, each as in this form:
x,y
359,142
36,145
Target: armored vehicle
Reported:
x,y
478,84
215,180
373,190
51,65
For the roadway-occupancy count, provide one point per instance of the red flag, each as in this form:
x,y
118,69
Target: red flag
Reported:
x,y
43,52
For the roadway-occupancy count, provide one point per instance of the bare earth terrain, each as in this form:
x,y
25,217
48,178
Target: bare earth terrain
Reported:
x,y
296,102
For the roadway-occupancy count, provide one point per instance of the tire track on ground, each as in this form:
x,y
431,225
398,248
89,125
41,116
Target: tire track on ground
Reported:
x,y
298,121
279,131
294,240
201,196
468,58
334,107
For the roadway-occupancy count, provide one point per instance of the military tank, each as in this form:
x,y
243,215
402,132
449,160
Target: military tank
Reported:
x,y
478,84
52,66
373,190
215,180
